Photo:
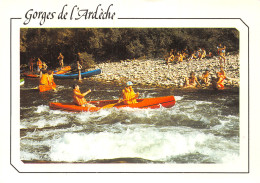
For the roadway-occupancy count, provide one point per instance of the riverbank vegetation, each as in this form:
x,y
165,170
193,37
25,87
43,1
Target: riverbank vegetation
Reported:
x,y
115,44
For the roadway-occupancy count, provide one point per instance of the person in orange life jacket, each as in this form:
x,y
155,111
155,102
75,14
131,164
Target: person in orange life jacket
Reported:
x,y
128,94
44,78
78,97
50,78
47,78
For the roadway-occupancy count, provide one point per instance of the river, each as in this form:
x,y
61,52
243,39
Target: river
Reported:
x,y
202,127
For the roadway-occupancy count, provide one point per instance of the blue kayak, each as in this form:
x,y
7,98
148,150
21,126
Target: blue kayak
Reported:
x,y
75,76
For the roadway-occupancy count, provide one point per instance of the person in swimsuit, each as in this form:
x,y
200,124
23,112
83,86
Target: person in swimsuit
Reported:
x,y
79,69
221,53
205,78
60,58
192,81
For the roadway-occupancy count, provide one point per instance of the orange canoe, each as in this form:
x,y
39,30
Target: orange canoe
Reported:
x,y
146,103
43,88
63,70
31,75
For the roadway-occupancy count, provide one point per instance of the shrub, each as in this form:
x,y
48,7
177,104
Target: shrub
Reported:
x,y
86,60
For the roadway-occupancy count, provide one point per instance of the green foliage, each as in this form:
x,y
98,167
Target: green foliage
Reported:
x,y
102,44
86,60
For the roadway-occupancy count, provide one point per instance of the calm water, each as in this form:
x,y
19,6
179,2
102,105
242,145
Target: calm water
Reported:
x,y
202,127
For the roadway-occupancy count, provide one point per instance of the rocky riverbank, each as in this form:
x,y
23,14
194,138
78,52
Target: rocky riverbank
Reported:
x,y
157,73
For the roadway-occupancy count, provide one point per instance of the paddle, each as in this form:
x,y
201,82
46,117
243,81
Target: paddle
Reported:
x,y
109,106
54,89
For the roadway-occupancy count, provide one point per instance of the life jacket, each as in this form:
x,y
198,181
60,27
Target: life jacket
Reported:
x,y
221,80
44,79
205,75
78,98
50,80
39,63
129,96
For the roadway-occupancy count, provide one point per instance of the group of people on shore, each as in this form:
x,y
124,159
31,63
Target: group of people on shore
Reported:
x,y
175,56
199,54
204,81
42,65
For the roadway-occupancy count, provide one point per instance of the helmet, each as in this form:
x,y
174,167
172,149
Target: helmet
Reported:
x,y
129,83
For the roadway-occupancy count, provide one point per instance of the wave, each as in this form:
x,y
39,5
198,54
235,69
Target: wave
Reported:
x,y
149,142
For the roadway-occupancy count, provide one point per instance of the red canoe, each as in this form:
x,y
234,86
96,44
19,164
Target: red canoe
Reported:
x,y
63,70
43,88
146,103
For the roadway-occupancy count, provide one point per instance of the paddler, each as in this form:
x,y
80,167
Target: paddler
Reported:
x,y
44,78
78,97
47,78
128,94
50,78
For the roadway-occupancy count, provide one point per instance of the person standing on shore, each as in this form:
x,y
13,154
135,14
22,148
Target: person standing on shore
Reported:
x,y
31,63
79,69
222,53
60,58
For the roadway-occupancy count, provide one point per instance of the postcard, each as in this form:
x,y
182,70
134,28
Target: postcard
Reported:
x,y
128,87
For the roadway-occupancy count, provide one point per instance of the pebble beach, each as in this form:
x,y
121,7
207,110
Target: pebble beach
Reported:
x,y
155,72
